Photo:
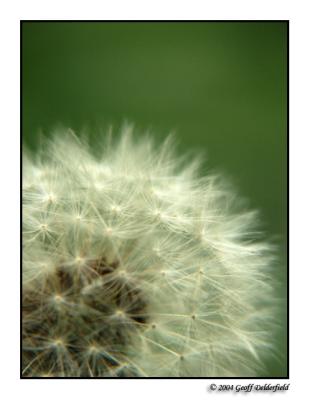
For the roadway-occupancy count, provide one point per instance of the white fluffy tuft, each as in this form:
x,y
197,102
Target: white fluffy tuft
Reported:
x,y
134,265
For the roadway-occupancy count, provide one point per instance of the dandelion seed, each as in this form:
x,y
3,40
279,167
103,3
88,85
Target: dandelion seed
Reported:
x,y
134,265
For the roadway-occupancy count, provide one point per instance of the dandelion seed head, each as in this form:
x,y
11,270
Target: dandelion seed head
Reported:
x,y
135,265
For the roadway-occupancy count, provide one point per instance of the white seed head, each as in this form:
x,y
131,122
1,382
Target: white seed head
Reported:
x,y
134,265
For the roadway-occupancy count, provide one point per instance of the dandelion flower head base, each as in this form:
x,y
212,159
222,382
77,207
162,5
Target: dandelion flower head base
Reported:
x,y
134,265
85,325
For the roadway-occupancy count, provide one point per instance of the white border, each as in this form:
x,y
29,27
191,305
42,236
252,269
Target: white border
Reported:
x,y
11,12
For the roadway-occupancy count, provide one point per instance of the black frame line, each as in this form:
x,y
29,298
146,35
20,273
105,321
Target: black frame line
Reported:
x,y
287,22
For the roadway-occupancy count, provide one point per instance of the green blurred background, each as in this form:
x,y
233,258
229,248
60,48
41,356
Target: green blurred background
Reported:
x,y
220,86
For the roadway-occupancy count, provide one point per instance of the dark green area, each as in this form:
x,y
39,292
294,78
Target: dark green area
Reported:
x,y
220,86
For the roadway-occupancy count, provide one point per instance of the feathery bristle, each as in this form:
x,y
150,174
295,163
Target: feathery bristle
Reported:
x,y
134,265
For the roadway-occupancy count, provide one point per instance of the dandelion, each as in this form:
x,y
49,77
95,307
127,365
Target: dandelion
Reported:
x,y
136,266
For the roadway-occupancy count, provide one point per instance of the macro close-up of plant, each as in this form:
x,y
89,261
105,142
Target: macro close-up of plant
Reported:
x,y
134,265
154,199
